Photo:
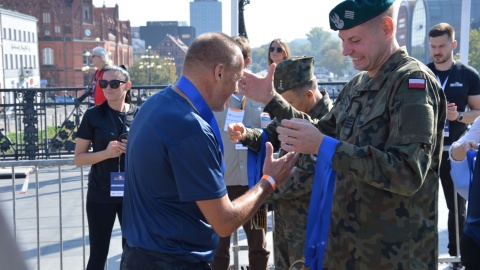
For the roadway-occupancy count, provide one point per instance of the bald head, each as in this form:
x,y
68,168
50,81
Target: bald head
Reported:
x,y
211,49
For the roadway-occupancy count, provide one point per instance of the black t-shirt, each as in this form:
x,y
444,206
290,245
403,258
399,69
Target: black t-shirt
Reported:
x,y
461,81
101,124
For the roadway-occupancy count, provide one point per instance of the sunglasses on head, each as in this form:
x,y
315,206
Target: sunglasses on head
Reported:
x,y
114,84
279,49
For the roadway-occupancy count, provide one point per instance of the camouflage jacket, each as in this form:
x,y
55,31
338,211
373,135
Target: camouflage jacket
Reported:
x,y
384,212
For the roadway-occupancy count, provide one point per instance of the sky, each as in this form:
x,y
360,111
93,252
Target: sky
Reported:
x,y
265,20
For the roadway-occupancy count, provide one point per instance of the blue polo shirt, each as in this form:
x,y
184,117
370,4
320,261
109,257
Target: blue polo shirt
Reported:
x,y
173,159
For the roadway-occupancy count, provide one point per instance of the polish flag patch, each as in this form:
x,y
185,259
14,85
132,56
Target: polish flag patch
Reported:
x,y
416,83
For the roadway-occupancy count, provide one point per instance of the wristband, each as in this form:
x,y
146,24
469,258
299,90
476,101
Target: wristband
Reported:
x,y
270,180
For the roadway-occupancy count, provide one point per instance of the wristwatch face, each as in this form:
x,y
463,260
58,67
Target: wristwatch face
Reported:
x,y
460,118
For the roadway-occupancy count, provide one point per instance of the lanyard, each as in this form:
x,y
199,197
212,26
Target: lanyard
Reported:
x,y
112,119
244,102
446,79
202,107
444,82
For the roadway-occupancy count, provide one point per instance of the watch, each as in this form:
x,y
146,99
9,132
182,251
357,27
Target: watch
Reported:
x,y
460,117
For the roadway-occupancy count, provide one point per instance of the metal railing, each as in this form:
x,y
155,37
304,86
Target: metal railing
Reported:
x,y
41,123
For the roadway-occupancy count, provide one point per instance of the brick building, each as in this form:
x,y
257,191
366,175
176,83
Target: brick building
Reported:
x,y
67,29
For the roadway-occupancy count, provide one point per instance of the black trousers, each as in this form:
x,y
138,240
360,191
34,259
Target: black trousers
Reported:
x,y
470,253
101,218
448,189
140,259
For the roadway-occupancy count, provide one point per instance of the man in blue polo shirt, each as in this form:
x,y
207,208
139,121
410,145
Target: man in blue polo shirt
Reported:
x,y
175,203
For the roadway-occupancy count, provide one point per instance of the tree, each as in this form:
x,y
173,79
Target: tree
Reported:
x,y
474,51
333,58
317,38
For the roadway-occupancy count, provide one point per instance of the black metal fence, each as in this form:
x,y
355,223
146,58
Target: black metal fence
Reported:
x,y
41,123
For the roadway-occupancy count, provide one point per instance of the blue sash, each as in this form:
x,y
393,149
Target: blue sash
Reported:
x,y
255,162
320,206
203,109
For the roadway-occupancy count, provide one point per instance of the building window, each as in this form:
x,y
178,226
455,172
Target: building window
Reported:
x,y
5,33
24,35
34,61
10,33
46,17
6,61
16,61
57,29
47,56
14,34
11,61
47,30
30,60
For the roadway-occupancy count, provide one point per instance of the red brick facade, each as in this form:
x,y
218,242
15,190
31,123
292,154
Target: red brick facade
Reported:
x,y
67,29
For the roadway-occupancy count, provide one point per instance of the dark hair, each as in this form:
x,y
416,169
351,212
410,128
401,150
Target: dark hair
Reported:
x,y
122,69
442,29
244,45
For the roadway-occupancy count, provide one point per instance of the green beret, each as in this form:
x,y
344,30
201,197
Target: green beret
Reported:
x,y
292,72
351,13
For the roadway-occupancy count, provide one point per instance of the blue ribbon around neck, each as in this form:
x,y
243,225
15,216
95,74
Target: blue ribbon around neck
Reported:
x,y
202,107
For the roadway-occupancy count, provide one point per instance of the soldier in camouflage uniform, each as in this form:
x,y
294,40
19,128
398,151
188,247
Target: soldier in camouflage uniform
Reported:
x,y
389,121
296,83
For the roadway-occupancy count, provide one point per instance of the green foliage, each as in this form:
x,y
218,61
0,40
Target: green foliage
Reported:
x,y
160,72
321,44
474,50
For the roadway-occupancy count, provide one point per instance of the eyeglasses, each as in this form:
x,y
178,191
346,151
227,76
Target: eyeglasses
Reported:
x,y
114,84
279,49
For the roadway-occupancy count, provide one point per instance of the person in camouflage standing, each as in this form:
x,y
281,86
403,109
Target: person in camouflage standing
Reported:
x,y
295,84
386,127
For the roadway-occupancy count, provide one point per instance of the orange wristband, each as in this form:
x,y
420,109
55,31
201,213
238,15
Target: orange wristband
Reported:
x,y
270,180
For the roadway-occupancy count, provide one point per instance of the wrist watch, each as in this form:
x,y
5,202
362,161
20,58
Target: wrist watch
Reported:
x,y
460,117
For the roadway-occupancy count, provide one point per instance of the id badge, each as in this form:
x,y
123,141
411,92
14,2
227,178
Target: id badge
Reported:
x,y
446,131
240,146
117,184
233,116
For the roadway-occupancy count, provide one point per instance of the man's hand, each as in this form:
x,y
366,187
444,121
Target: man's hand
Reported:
x,y
279,169
258,88
452,113
299,135
236,132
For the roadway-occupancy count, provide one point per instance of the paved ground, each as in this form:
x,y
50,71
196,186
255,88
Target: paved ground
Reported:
x,y
46,228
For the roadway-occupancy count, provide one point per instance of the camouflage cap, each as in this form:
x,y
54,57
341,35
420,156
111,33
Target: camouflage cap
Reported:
x,y
351,13
292,72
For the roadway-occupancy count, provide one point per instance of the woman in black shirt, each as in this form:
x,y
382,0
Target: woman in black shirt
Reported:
x,y
103,128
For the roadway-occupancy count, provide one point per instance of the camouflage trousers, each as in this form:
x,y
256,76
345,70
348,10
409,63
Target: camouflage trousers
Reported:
x,y
290,219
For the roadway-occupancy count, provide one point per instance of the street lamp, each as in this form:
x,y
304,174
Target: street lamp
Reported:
x,y
149,63
171,64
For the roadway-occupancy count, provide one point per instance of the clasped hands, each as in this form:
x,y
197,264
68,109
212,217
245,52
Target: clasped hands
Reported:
x,y
116,148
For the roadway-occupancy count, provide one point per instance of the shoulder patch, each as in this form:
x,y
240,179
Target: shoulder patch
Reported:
x,y
416,83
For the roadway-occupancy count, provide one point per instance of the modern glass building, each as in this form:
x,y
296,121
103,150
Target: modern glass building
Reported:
x,y
206,16
416,17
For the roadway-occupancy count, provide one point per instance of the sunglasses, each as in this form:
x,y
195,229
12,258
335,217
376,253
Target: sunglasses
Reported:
x,y
279,49
114,84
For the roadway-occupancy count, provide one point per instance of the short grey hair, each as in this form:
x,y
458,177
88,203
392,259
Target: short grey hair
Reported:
x,y
102,53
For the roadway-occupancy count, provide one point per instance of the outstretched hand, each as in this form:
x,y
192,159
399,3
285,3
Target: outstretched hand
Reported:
x,y
258,88
279,169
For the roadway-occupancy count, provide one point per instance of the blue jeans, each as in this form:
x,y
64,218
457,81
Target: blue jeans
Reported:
x,y
139,259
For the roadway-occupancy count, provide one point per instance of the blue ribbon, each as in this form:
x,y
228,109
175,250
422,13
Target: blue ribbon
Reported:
x,y
320,208
255,162
202,107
